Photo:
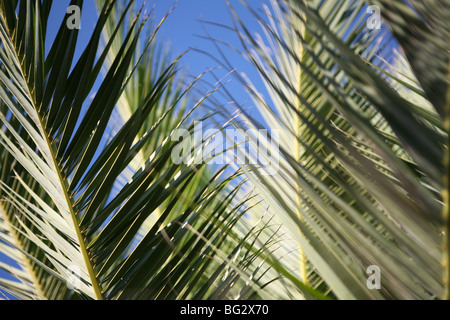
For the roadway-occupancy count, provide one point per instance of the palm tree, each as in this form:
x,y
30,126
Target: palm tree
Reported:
x,y
363,138
92,207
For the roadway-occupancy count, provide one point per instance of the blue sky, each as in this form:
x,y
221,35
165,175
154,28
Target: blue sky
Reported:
x,y
181,30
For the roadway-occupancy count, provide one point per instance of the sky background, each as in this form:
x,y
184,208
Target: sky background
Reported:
x,y
182,30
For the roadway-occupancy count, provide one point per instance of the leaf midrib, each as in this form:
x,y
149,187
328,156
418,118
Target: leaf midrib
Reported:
x,y
63,184
26,261
76,223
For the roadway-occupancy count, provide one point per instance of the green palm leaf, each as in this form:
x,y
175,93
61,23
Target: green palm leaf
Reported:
x,y
91,201
360,168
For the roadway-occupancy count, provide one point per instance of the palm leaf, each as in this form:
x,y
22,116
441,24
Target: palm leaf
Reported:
x,y
360,168
71,189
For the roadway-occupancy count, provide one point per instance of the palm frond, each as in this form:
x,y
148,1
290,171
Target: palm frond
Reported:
x,y
70,185
360,168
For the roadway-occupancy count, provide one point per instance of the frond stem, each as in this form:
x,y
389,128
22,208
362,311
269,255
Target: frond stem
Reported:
x,y
446,199
303,260
27,262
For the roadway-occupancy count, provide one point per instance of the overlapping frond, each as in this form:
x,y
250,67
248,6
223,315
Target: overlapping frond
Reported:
x,y
361,164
